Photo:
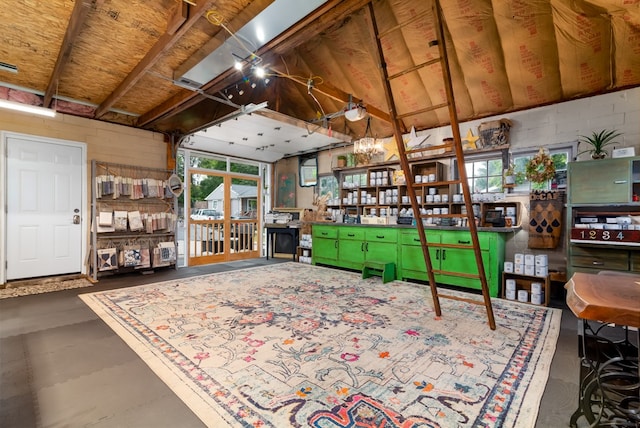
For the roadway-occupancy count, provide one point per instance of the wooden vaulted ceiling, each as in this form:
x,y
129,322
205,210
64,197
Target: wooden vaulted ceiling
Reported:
x,y
117,60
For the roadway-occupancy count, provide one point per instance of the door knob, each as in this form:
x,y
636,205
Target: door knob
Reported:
x,y
76,219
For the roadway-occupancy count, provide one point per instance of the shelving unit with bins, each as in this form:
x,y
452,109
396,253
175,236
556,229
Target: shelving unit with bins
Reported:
x,y
356,183
138,248
523,282
602,212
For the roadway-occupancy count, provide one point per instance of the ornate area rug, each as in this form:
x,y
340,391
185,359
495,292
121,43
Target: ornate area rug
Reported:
x,y
298,345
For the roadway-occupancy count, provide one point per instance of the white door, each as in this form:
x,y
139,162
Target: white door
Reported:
x,y
44,197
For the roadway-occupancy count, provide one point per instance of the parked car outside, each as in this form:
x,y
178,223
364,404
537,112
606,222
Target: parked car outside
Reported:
x,y
204,214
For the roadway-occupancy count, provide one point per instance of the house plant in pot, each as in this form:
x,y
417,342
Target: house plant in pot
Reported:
x,y
597,142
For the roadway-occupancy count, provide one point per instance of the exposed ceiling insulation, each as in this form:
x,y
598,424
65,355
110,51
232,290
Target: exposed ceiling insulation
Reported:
x,y
118,60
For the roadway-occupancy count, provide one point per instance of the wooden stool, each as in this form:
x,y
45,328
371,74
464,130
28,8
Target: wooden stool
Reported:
x,y
386,270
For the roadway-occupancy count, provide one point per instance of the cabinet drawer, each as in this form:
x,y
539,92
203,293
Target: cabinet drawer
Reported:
x,y
325,232
381,235
607,260
464,237
351,233
410,239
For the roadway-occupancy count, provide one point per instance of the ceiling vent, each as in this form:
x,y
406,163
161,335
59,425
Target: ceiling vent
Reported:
x,y
268,24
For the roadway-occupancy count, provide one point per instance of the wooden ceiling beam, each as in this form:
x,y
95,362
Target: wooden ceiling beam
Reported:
x,y
319,20
78,16
164,43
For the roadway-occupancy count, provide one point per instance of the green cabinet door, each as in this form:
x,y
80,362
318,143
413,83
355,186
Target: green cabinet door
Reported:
x,y
381,245
351,247
325,245
411,258
464,261
605,181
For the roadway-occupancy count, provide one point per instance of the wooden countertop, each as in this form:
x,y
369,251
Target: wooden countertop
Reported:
x,y
607,298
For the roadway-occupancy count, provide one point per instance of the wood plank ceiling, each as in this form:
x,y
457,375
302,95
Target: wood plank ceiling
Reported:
x,y
118,60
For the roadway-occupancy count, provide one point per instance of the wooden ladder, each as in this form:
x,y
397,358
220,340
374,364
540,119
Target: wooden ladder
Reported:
x,y
411,157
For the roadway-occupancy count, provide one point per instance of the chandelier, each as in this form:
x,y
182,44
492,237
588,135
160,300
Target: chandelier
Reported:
x,y
367,146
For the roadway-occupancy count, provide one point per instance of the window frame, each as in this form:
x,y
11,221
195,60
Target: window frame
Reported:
x,y
529,152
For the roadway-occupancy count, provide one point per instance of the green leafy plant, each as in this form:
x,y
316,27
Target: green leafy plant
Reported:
x,y
597,142
517,177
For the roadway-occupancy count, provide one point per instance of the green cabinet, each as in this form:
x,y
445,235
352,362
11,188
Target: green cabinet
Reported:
x,y
457,260
601,211
602,181
353,245
325,244
350,246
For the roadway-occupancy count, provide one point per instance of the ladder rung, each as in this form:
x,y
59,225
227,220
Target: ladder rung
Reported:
x,y
461,299
460,246
405,23
414,68
427,149
424,110
458,274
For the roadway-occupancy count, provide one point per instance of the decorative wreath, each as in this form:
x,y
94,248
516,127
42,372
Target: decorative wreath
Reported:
x,y
540,168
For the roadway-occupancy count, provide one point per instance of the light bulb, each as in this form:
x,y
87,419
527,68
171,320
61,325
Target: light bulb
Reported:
x,y
241,92
238,65
253,85
259,71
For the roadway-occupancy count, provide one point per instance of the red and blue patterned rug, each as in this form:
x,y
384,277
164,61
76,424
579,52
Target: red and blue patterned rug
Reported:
x,y
298,345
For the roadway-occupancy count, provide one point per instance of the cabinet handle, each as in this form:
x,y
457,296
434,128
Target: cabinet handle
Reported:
x,y
444,254
464,242
351,234
324,233
619,181
437,254
366,246
597,263
335,244
416,240
380,237
362,246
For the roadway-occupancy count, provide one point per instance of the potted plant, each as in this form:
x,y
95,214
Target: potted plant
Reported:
x,y
511,176
342,161
597,142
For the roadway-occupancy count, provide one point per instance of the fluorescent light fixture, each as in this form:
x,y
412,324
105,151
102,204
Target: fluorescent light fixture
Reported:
x,y
26,108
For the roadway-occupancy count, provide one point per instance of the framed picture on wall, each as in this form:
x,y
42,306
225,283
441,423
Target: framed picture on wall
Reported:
x,y
286,190
328,185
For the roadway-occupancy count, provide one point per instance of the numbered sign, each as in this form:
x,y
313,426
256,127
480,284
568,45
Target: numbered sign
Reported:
x,y
606,236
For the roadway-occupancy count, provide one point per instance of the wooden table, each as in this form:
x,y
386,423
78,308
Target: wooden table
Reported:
x,y
609,385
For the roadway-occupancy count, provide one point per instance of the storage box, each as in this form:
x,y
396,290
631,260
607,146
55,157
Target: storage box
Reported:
x,y
518,259
529,259
529,270
494,133
374,220
518,268
542,260
508,267
541,271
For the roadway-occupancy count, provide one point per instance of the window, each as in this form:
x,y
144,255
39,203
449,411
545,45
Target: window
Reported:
x,y
485,174
308,170
560,155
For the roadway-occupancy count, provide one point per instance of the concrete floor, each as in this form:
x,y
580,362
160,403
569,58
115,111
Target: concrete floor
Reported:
x,y
61,366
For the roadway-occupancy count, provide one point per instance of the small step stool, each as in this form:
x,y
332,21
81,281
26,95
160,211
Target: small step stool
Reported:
x,y
386,270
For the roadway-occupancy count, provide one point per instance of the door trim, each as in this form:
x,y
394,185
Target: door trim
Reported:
x,y
86,220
